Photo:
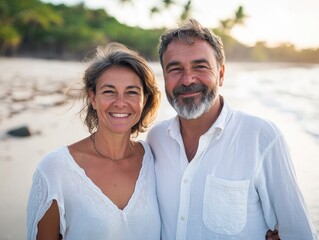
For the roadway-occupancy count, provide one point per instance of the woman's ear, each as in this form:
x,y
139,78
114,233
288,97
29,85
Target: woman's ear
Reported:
x,y
145,99
92,98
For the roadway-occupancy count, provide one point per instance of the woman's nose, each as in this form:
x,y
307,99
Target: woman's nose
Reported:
x,y
120,100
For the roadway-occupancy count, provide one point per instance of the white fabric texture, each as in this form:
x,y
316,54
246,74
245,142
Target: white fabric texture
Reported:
x,y
240,183
85,211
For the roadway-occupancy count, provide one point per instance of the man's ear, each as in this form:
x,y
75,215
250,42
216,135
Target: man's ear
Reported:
x,y
221,75
92,98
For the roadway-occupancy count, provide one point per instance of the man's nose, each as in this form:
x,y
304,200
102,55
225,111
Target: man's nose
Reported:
x,y
188,77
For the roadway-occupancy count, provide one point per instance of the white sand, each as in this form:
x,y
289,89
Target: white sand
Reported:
x,y
58,125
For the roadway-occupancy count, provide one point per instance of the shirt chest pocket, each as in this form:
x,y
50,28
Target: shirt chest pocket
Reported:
x,y
225,205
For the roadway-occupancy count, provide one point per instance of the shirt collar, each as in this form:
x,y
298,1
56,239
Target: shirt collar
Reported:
x,y
217,128
222,120
174,128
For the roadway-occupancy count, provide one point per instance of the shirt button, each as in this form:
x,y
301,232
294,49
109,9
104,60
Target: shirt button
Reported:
x,y
185,181
182,219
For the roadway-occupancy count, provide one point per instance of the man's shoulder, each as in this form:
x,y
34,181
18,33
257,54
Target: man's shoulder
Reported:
x,y
256,122
250,117
161,125
158,131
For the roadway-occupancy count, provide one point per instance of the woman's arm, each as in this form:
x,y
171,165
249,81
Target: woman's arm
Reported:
x,y
49,225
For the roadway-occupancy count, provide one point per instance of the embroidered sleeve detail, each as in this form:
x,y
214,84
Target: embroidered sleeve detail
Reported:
x,y
38,203
35,208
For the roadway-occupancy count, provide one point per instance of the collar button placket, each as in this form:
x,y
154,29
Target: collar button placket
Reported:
x,y
185,194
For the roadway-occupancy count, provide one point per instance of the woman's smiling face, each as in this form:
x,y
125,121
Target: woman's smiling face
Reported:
x,y
119,99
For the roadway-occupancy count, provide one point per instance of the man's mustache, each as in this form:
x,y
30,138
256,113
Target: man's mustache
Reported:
x,y
191,88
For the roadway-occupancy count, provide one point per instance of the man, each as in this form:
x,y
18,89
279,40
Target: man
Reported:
x,y
221,173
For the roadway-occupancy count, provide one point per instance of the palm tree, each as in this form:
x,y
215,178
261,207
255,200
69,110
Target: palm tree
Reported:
x,y
226,25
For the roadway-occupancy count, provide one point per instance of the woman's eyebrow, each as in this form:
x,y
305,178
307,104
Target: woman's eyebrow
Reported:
x,y
134,86
107,86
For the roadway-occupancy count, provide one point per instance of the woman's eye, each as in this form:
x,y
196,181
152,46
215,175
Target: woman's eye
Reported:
x,y
108,92
132,93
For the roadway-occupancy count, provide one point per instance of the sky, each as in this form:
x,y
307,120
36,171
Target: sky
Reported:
x,y
271,21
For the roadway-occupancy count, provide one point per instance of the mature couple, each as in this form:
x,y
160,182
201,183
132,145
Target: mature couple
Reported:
x,y
219,173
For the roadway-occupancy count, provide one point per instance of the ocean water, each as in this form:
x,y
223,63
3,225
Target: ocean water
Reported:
x,y
289,88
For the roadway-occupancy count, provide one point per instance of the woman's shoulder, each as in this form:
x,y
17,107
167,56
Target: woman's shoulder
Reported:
x,y
148,155
54,160
144,145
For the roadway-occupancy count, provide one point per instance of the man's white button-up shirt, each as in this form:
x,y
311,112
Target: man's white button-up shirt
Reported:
x,y
240,183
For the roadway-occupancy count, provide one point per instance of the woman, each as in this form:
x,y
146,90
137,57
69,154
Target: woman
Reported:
x,y
102,187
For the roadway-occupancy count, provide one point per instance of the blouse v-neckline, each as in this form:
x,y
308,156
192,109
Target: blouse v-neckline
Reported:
x,y
105,198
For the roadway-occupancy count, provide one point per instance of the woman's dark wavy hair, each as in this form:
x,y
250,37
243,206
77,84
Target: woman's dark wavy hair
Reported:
x,y
116,54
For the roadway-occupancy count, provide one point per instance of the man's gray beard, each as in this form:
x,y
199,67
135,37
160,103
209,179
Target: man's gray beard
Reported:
x,y
189,109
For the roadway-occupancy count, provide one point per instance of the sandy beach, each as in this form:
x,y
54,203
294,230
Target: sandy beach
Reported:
x,y
32,95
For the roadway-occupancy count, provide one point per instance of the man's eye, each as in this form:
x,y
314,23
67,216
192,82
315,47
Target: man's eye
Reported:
x,y
174,69
200,67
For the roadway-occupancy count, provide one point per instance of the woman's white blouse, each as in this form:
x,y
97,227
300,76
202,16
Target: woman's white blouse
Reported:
x,y
85,211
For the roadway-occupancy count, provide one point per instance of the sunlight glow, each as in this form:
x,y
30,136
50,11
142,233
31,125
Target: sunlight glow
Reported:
x,y
272,21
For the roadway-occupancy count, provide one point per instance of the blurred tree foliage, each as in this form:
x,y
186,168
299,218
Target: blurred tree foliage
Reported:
x,y
37,29
34,28
20,19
